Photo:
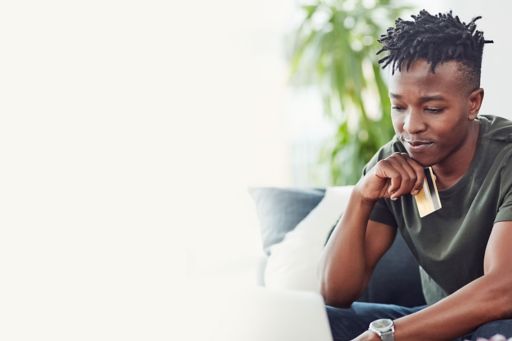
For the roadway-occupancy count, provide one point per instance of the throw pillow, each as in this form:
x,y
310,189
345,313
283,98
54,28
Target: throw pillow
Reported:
x,y
293,263
279,210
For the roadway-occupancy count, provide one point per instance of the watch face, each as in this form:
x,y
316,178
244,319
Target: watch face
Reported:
x,y
381,325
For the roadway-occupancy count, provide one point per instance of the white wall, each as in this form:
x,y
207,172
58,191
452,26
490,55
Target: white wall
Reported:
x,y
130,132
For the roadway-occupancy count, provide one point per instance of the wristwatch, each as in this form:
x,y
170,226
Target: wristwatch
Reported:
x,y
384,328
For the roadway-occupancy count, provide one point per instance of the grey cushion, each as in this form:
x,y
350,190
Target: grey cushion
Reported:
x,y
396,278
279,210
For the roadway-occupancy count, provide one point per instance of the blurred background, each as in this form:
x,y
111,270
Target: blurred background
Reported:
x,y
132,130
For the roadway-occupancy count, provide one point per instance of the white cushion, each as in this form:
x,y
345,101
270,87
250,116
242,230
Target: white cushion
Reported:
x,y
292,264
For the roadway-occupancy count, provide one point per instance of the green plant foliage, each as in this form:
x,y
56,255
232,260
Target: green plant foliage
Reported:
x,y
334,49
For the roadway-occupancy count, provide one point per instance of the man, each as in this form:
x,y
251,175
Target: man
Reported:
x,y
465,248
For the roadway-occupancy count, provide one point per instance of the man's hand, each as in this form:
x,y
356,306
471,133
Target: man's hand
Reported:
x,y
371,336
392,177
367,336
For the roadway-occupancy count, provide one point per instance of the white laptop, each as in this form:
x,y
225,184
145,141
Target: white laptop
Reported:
x,y
263,314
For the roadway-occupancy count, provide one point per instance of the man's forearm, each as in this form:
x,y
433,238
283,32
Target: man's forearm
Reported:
x,y
485,299
344,263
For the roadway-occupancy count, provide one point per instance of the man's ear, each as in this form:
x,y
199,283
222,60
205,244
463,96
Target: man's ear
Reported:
x,y
475,102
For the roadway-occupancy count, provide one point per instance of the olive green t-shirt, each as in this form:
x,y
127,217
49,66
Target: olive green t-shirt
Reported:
x,y
450,243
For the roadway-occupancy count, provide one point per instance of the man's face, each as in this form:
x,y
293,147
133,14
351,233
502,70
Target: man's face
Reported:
x,y
431,112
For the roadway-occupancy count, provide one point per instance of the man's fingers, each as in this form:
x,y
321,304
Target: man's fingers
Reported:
x,y
420,175
393,174
407,177
412,180
404,176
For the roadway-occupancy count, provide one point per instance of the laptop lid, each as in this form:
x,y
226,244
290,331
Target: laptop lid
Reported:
x,y
263,314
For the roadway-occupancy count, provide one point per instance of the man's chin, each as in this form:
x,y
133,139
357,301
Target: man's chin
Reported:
x,y
424,160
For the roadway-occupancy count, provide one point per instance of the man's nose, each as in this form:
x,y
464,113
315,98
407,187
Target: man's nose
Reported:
x,y
413,122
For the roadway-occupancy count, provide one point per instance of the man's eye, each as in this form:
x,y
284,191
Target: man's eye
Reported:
x,y
434,110
397,108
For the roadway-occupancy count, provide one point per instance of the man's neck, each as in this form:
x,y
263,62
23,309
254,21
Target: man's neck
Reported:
x,y
451,170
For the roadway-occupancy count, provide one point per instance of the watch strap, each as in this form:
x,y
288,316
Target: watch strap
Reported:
x,y
388,336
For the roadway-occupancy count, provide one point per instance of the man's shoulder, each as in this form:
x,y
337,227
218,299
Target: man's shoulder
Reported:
x,y
496,128
495,150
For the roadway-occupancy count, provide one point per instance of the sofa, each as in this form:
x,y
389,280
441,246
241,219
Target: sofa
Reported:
x,y
295,226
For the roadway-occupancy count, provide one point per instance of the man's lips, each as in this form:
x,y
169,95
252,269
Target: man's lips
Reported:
x,y
418,146
417,143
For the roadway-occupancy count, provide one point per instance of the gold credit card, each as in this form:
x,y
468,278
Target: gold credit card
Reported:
x,y
427,200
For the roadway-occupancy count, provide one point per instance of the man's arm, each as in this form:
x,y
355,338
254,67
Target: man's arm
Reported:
x,y
485,299
357,243
352,252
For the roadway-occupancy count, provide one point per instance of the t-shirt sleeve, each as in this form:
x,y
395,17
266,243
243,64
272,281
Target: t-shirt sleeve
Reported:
x,y
381,212
505,207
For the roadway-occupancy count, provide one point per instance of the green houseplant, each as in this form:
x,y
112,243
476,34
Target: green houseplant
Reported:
x,y
334,49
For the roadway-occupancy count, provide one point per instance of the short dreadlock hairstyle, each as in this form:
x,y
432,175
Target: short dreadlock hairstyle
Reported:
x,y
437,39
